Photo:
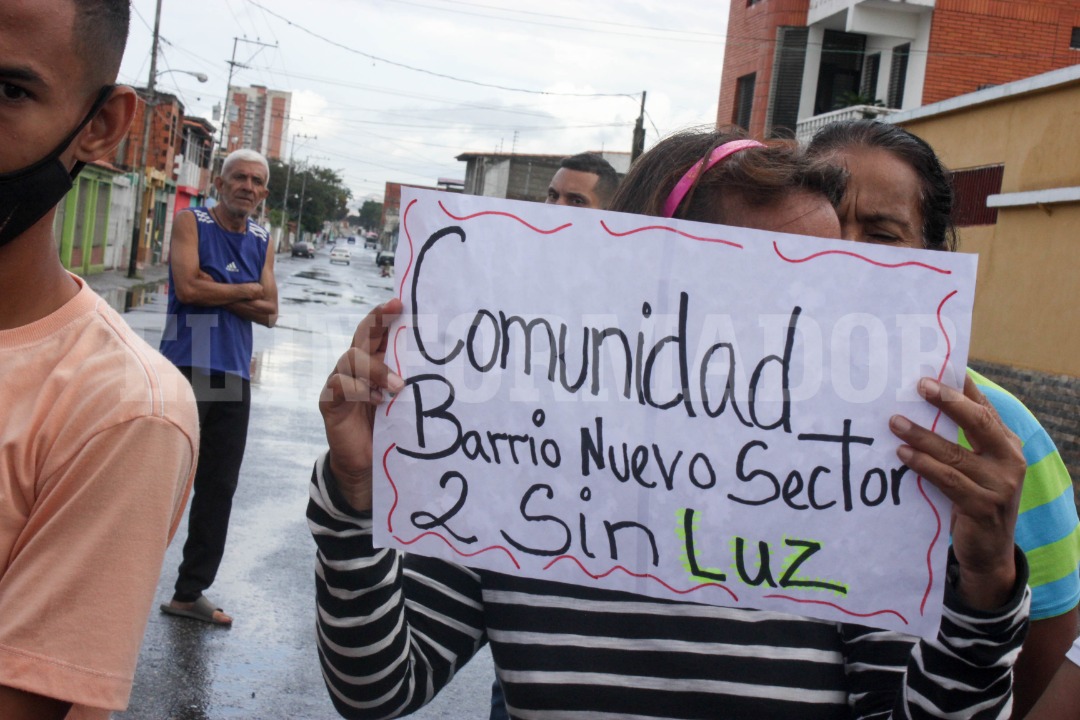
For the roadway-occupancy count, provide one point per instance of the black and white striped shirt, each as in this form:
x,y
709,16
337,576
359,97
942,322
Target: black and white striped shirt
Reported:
x,y
393,628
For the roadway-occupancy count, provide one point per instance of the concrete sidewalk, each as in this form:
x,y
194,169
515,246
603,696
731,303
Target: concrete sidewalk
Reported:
x,y
112,280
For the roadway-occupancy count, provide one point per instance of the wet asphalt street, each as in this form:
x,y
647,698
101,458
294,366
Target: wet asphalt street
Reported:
x,y
266,665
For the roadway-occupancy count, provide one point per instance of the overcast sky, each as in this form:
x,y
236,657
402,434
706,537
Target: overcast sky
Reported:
x,y
375,120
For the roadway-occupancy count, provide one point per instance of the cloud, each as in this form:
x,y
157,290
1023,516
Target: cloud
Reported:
x,y
379,122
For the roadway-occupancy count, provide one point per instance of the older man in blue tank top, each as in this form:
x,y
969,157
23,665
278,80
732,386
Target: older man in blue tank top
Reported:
x,y
221,279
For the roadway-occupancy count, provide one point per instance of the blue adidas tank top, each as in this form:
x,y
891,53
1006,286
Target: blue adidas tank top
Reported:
x,y
212,338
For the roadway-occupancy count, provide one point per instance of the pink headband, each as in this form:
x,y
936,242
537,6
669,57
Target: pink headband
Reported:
x,y
683,186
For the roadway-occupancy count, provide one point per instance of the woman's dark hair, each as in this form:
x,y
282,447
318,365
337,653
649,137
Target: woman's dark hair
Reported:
x,y
758,176
936,200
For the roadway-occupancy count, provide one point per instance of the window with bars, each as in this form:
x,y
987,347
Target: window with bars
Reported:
x,y
1074,41
838,73
744,100
869,79
782,112
898,75
971,187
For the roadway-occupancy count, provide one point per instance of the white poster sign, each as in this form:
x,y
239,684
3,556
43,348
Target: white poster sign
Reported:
x,y
676,409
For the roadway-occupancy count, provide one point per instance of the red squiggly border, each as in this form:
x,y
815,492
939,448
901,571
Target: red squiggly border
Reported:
x,y
919,479
834,606
776,249
403,541
408,268
393,486
503,214
577,562
615,233
397,359
462,554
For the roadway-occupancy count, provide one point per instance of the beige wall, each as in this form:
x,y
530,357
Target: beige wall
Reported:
x,y
1027,307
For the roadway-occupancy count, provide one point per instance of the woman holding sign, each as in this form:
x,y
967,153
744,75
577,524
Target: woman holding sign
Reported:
x,y
898,193
395,627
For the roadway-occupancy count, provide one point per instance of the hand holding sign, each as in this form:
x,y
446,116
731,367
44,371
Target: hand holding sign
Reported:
x,y
983,483
348,400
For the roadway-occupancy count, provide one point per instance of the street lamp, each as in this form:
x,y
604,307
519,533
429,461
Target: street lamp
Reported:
x,y
201,77
140,210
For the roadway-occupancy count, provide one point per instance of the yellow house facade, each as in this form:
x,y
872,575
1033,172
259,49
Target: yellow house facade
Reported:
x,y
1027,308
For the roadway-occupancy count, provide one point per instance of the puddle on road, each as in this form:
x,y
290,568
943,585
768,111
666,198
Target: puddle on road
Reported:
x,y
307,300
323,297
320,275
124,300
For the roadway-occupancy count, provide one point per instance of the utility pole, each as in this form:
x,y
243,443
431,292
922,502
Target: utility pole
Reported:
x,y
300,217
148,115
215,167
288,174
638,145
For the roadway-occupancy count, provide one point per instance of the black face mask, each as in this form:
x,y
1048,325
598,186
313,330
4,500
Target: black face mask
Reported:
x,y
27,194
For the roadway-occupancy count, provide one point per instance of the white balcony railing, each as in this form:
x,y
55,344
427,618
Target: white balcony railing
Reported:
x,y
805,129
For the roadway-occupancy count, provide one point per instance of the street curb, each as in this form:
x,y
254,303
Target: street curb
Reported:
x,y
118,280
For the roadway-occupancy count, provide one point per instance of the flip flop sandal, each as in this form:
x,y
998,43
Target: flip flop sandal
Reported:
x,y
203,610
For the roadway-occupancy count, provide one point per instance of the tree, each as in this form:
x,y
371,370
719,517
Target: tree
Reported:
x,y
371,215
325,195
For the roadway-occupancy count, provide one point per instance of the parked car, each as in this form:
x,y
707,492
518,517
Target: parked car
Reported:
x,y
384,257
340,254
352,239
303,249
371,240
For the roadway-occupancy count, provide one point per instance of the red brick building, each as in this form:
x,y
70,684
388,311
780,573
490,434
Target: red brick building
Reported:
x,y
192,163
166,128
790,61
1017,39
158,177
391,206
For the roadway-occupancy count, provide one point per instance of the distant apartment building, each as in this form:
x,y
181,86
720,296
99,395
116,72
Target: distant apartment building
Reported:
x,y
791,66
258,119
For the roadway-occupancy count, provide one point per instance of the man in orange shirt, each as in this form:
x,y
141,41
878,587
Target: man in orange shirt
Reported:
x,y
98,433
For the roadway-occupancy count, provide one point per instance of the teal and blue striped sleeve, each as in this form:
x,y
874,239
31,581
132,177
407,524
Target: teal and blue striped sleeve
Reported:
x,y
1047,529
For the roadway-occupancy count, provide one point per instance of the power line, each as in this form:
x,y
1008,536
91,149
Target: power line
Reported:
x,y
450,104
425,71
717,41
381,166
543,128
572,18
730,40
